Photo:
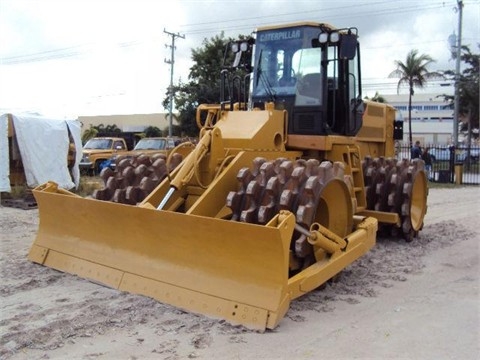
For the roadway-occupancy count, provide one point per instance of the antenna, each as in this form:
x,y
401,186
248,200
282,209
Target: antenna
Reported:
x,y
170,88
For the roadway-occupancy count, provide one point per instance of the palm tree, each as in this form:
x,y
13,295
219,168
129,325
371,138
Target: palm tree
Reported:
x,y
89,133
414,73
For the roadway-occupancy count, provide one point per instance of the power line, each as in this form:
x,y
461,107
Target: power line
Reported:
x,y
294,15
69,52
247,23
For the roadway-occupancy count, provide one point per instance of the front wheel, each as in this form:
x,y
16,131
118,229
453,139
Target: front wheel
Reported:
x,y
97,169
316,192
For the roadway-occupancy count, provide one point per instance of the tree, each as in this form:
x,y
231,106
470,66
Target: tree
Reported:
x,y
100,130
186,97
414,73
203,86
468,83
88,134
112,130
377,98
152,131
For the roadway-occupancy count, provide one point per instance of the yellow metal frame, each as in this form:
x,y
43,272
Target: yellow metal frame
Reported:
x,y
230,270
178,245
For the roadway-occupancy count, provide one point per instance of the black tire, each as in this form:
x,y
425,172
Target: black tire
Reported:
x,y
97,169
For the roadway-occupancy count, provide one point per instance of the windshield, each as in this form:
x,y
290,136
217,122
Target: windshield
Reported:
x,y
151,144
102,144
288,65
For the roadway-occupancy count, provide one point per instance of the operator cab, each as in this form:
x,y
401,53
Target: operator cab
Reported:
x,y
313,71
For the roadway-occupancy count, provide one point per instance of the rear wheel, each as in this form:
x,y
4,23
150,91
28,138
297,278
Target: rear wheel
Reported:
x,y
134,178
400,187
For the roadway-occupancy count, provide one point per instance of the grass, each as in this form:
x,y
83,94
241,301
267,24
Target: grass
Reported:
x,y
18,191
88,184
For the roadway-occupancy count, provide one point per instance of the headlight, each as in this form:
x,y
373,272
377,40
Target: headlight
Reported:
x,y
323,38
332,37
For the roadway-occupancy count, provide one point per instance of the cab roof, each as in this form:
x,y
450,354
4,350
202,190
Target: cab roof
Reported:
x,y
296,24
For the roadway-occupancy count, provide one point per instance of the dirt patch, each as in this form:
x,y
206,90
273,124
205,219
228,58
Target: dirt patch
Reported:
x,y
47,314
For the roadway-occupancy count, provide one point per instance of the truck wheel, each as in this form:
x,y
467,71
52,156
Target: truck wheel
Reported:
x,y
97,168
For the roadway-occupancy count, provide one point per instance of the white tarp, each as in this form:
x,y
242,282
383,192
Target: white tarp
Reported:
x,y
44,145
75,128
4,159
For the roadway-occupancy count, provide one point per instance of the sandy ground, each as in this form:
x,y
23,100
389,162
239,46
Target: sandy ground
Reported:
x,y
400,301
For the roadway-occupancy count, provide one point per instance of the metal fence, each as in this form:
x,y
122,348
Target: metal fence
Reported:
x,y
459,165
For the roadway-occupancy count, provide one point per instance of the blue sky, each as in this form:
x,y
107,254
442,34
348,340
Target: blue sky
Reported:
x,y
69,58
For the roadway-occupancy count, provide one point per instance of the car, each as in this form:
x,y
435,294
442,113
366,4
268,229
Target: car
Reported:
x,y
444,154
474,154
440,154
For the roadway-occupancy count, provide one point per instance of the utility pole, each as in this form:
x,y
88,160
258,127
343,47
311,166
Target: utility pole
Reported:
x,y
457,74
170,88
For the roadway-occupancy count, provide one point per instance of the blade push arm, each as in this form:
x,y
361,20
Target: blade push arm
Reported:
x,y
188,168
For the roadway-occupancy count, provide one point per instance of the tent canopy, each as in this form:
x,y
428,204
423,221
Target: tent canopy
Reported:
x,y
43,144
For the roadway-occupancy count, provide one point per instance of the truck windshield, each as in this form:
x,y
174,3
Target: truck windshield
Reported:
x,y
287,64
151,144
102,144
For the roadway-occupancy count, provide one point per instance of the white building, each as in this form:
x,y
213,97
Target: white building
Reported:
x,y
432,120
127,123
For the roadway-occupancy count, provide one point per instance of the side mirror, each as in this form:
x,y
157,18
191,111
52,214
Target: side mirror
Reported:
x,y
348,46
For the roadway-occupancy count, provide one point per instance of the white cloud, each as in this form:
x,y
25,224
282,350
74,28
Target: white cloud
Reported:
x,y
78,57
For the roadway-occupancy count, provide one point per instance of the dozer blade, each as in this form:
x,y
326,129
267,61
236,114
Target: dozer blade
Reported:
x,y
220,268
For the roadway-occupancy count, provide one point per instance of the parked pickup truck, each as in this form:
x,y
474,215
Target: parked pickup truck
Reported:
x,y
100,149
154,145
147,146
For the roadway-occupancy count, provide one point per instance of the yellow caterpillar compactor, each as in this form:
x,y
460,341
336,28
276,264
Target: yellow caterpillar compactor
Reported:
x,y
287,186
